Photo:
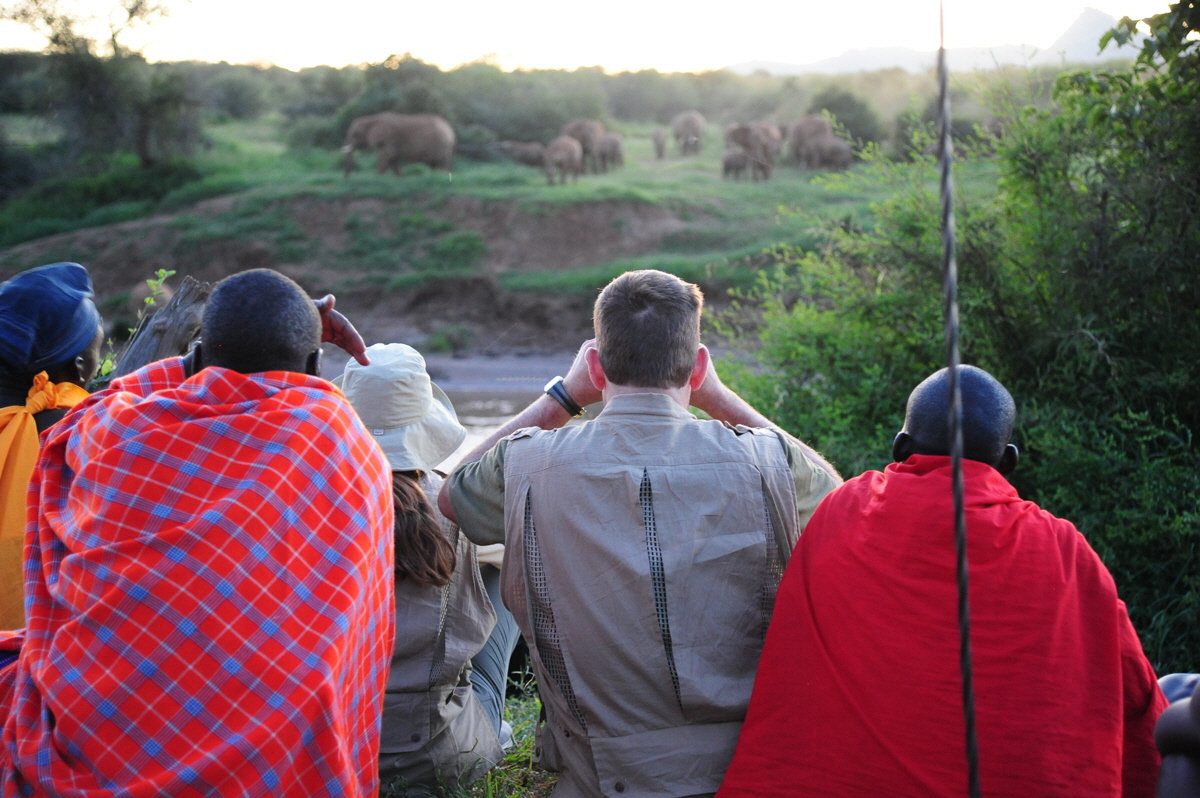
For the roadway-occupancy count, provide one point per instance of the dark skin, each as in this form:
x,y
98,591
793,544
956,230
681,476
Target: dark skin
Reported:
x,y
988,421
81,370
335,329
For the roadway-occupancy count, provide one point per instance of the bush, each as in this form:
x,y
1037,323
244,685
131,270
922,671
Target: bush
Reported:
x,y
1077,291
851,112
61,204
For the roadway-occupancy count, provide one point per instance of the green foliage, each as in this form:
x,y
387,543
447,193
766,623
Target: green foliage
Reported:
x,y
860,121
1077,290
64,204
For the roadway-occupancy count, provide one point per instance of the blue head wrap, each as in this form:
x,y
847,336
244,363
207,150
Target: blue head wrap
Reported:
x,y
46,317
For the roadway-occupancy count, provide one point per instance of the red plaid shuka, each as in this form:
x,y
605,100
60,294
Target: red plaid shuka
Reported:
x,y
208,572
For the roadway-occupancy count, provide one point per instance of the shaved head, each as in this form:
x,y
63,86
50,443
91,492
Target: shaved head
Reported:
x,y
988,416
259,320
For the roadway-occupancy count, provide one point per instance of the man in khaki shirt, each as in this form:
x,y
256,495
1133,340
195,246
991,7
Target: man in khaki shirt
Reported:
x,y
643,549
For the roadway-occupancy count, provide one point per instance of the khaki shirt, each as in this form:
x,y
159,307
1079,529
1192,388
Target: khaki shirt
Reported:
x,y
477,489
435,732
643,550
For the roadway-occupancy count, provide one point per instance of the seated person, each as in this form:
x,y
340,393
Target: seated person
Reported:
x,y
50,338
444,706
859,691
209,574
642,549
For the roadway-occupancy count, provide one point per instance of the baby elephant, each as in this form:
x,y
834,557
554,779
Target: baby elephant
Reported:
x,y
564,155
660,143
529,153
610,151
734,163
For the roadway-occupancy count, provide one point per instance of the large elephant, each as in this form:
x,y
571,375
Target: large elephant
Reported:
x,y
587,132
565,156
400,139
529,153
760,142
688,129
610,151
805,135
660,143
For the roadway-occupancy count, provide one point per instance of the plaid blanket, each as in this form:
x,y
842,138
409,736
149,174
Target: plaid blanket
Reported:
x,y
209,570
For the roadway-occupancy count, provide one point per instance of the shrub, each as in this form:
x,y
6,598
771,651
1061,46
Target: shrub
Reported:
x,y
1077,291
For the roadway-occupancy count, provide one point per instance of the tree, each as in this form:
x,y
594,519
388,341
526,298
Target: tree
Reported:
x,y
860,121
109,97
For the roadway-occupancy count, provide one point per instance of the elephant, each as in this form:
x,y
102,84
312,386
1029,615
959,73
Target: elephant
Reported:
x,y
760,142
611,151
660,143
734,163
400,139
808,130
688,129
529,153
564,155
587,132
771,136
830,152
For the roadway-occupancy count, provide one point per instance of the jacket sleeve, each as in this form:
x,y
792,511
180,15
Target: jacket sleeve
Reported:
x,y
1144,702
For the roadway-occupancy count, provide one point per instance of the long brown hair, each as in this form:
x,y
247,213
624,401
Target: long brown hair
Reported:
x,y
423,553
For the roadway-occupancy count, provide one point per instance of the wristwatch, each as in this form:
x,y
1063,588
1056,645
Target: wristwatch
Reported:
x,y
555,390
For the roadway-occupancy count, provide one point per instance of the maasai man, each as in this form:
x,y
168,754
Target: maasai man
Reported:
x,y
50,338
859,691
209,571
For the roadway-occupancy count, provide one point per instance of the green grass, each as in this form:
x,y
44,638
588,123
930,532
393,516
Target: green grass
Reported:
x,y
515,776
401,243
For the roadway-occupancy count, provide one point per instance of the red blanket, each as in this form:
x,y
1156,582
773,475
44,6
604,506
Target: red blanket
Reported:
x,y
858,692
209,563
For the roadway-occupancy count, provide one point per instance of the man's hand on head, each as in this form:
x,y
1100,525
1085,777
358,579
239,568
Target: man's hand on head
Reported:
x,y
337,329
578,382
712,395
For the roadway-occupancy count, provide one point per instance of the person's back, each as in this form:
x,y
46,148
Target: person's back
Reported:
x,y
444,705
646,575
210,586
643,549
859,691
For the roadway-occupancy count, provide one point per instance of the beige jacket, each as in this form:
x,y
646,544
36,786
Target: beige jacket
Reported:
x,y
435,732
643,551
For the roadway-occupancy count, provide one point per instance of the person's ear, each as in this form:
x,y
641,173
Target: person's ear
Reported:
x,y
82,378
1008,460
595,370
699,368
902,447
312,366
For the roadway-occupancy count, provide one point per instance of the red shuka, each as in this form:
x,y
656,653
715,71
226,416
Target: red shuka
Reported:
x,y
858,692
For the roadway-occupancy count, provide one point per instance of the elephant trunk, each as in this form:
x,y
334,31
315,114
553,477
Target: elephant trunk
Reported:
x,y
348,164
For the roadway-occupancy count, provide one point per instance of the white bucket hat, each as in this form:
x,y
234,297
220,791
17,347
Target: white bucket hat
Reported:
x,y
410,418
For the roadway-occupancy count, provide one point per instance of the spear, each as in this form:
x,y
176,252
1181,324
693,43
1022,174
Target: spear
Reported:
x,y
950,309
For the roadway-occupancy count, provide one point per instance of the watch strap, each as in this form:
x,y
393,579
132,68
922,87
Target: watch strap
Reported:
x,y
555,390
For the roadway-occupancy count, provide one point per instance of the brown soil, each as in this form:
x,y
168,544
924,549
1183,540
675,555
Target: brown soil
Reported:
x,y
517,237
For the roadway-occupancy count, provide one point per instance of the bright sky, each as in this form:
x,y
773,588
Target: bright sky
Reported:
x,y
615,34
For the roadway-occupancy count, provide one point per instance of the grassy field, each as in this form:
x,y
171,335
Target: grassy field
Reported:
x,y
397,233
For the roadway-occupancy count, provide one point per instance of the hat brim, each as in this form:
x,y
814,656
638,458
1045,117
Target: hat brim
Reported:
x,y
424,445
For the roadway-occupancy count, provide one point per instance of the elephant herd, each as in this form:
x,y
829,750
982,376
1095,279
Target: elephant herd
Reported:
x,y
813,145
583,145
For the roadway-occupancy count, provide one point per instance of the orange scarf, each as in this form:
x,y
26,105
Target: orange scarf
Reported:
x,y
18,456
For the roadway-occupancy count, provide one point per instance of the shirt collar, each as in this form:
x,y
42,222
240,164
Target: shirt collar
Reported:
x,y
644,404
